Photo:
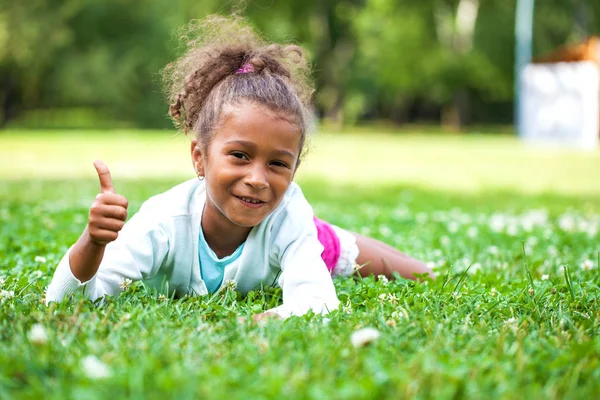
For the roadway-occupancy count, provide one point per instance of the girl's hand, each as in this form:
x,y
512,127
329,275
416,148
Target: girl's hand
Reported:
x,y
108,211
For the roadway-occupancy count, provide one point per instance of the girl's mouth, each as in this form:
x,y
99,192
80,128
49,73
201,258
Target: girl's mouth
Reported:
x,y
250,202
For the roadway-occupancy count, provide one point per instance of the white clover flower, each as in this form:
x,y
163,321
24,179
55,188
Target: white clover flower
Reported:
x,y
40,259
510,321
400,313
37,334
566,223
512,230
553,251
364,336
162,297
474,268
125,284
385,231
545,277
37,274
527,225
531,241
453,226
382,296
430,264
493,250
382,279
582,226
94,368
472,232
392,298
563,268
445,240
2,280
493,292
230,284
7,294
587,265
497,222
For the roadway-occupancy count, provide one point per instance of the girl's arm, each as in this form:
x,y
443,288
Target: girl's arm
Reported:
x,y
377,258
101,263
305,281
137,254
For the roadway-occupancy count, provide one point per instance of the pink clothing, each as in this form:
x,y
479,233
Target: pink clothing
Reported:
x,y
330,242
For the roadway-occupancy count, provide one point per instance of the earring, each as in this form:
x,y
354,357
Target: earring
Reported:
x,y
200,178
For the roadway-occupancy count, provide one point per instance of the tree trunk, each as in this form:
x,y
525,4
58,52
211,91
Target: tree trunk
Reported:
x,y
7,99
456,114
457,34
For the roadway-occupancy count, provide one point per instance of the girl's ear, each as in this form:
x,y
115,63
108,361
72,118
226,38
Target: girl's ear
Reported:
x,y
197,157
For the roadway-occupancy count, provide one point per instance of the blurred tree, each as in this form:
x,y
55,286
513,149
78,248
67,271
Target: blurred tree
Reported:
x,y
324,28
433,54
32,34
437,60
119,50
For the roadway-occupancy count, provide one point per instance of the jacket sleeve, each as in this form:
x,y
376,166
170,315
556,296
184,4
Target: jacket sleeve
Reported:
x,y
137,254
304,279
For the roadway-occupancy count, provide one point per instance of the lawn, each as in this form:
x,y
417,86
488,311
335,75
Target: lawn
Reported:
x,y
512,231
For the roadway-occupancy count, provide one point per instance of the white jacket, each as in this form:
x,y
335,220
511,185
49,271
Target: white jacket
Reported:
x,y
159,245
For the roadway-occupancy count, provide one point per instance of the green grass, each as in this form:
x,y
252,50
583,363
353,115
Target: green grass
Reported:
x,y
499,221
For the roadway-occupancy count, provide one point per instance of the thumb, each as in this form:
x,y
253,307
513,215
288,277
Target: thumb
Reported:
x,y
106,185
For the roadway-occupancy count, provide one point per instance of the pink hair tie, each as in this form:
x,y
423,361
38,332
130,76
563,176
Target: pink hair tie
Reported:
x,y
246,68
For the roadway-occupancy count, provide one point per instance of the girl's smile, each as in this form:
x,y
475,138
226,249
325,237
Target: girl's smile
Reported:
x,y
248,166
250,202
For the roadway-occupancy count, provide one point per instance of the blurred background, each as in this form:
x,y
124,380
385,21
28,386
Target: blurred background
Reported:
x,y
448,63
397,83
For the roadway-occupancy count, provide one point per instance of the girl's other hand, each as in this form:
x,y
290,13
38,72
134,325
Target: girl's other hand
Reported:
x,y
108,211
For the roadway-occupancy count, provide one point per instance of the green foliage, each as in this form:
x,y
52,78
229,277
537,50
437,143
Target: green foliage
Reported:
x,y
385,59
504,319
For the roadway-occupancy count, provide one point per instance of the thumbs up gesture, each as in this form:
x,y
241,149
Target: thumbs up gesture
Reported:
x,y
108,211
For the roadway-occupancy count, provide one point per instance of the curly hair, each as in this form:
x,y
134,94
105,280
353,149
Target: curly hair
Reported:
x,y
207,76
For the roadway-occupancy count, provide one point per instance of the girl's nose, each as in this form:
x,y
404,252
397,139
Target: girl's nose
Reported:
x,y
257,178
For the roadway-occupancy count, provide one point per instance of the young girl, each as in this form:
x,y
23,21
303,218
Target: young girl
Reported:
x,y
243,219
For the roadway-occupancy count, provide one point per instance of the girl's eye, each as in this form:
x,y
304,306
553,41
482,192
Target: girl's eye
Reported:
x,y
279,164
239,155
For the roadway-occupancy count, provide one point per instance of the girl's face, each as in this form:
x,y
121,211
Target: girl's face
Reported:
x,y
248,167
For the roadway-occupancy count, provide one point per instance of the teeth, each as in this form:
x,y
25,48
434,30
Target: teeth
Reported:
x,y
250,200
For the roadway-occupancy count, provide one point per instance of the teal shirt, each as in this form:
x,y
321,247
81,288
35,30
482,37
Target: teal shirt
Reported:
x,y
212,267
